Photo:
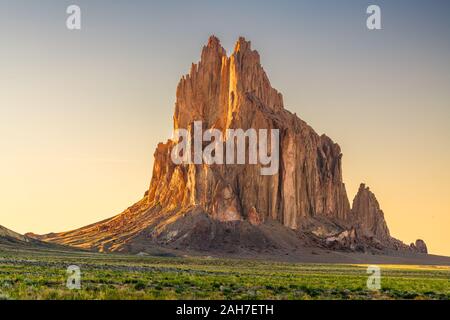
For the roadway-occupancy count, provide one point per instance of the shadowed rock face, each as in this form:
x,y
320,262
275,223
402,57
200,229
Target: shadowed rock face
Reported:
x,y
227,207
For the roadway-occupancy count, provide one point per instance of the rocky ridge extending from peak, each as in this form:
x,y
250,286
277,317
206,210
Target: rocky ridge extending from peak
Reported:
x,y
12,239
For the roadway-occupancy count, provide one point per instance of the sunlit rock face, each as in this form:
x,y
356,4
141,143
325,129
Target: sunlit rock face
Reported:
x,y
234,92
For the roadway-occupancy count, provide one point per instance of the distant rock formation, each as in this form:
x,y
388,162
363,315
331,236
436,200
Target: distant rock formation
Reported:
x,y
234,207
9,234
367,217
419,246
13,239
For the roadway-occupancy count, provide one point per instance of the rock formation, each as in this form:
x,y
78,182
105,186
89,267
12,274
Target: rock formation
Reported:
x,y
15,240
419,246
367,217
5,233
234,92
232,206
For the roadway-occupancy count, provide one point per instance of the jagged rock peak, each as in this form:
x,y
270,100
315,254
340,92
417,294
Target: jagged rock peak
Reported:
x,y
214,42
213,49
218,85
367,216
242,45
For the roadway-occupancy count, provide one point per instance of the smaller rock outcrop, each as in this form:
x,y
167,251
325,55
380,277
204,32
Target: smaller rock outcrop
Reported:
x,y
367,217
420,246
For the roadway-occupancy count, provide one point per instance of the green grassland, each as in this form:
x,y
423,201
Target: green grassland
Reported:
x,y
28,274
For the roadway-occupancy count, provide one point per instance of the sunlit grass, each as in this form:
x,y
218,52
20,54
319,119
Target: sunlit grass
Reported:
x,y
42,275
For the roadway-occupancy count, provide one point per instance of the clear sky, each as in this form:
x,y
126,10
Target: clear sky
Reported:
x,y
81,112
